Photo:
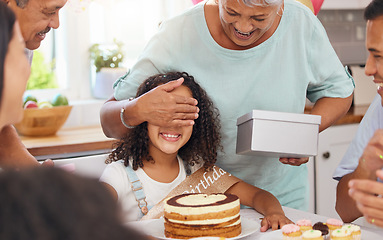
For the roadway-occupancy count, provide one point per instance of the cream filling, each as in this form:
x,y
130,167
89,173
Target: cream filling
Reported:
x,y
208,221
201,199
200,210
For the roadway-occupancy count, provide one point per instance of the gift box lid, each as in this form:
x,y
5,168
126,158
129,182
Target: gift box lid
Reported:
x,y
280,116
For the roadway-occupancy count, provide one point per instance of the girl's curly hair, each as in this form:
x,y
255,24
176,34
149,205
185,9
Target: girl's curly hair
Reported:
x,y
204,142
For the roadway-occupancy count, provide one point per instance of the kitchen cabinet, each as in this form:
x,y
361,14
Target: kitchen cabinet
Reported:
x,y
346,29
345,4
332,145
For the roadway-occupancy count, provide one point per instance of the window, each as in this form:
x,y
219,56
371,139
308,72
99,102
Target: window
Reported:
x,y
84,22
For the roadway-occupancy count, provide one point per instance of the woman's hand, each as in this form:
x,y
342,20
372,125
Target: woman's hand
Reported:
x,y
274,221
162,108
294,161
368,197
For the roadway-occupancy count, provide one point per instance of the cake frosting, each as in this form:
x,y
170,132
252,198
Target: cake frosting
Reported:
x,y
291,232
355,230
334,222
312,234
304,222
290,228
323,228
351,227
198,215
341,233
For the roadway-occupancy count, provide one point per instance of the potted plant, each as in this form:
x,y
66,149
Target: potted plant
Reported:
x,y
106,59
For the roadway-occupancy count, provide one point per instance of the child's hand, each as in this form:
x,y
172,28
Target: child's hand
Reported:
x,y
274,221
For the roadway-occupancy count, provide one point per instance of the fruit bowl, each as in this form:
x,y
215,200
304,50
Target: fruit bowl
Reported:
x,y
43,121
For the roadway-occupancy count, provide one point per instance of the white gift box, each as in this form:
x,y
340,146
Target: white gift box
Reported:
x,y
278,134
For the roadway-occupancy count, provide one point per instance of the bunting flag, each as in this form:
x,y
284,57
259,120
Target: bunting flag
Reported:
x,y
317,4
196,1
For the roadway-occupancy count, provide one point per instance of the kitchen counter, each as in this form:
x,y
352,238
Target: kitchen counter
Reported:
x,y
354,115
81,141
69,142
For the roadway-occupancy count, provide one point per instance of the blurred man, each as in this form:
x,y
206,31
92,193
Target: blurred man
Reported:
x,y
36,18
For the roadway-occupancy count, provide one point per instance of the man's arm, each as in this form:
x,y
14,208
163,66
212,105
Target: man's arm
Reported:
x,y
345,205
13,153
370,161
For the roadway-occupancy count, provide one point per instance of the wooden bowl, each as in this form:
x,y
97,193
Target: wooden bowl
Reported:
x,y
43,121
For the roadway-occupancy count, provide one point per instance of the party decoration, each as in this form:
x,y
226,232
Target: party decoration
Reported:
x,y
196,1
317,4
78,5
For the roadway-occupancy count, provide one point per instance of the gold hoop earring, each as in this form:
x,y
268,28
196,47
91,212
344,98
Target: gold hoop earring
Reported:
x,y
281,13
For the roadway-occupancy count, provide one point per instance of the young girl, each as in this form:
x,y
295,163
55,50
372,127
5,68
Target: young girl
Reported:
x,y
151,161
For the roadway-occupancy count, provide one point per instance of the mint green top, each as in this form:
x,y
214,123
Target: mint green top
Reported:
x,y
296,62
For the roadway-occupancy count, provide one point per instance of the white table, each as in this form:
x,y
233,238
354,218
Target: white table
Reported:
x,y
295,215
292,214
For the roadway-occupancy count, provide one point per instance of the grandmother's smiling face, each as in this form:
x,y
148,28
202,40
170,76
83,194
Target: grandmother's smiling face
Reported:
x,y
248,26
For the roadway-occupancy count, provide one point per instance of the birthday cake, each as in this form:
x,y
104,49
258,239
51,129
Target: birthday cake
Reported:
x,y
199,215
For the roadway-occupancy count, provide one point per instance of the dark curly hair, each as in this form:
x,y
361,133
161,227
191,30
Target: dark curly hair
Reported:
x,y
204,142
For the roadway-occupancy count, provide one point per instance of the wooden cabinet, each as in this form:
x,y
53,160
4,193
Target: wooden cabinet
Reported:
x,y
332,145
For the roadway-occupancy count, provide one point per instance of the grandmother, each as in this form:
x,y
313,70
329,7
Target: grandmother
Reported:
x,y
247,54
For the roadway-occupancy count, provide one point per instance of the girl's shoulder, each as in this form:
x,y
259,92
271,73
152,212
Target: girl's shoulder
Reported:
x,y
119,163
115,166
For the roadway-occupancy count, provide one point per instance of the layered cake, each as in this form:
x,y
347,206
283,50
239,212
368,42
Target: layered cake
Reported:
x,y
199,215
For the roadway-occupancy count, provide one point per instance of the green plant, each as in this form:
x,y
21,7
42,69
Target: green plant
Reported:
x,y
42,74
106,55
